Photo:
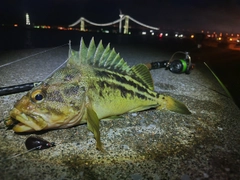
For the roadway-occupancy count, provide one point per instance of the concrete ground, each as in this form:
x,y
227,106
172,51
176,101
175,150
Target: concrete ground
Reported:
x,y
145,145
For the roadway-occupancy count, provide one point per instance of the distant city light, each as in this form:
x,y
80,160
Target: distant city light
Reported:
x,y
61,28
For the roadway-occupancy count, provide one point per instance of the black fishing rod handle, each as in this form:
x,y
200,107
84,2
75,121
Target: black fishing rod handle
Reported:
x,y
17,88
159,64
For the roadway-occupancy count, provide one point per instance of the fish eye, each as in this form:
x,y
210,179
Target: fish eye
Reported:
x,y
37,96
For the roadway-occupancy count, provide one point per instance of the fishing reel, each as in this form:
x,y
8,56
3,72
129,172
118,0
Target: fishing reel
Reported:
x,y
176,66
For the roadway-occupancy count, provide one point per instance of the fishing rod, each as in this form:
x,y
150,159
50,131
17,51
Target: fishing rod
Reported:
x,y
17,88
176,66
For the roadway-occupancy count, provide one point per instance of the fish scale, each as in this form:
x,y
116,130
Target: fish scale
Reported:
x,y
96,83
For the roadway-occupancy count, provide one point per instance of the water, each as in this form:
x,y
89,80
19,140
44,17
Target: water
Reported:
x,y
19,38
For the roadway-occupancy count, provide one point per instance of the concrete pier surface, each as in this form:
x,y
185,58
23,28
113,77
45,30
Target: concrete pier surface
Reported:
x,y
144,145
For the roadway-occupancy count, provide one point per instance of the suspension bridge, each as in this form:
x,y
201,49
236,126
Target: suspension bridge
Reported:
x,y
123,17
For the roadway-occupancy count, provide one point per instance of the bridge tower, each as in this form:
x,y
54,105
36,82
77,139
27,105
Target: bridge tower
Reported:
x,y
27,19
126,25
82,24
120,22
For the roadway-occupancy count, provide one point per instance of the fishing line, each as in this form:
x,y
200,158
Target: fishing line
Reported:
x,y
69,44
21,59
14,156
25,87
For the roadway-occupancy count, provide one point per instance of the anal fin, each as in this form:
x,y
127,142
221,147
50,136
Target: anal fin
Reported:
x,y
93,126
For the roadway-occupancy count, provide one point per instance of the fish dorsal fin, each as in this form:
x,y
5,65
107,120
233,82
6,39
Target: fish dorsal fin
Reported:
x,y
108,58
98,57
143,75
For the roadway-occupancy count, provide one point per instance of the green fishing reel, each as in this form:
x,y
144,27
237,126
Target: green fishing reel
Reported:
x,y
176,66
180,65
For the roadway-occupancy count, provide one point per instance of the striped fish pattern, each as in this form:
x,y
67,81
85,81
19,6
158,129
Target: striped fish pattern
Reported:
x,y
95,84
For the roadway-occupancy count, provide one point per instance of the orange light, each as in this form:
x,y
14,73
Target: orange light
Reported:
x,y
15,25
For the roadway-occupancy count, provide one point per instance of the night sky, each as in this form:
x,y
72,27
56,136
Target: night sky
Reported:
x,y
214,15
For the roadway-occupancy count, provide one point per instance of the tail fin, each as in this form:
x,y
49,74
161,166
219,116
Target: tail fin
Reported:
x,y
172,104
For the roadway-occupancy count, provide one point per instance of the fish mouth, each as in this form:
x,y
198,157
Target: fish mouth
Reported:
x,y
26,123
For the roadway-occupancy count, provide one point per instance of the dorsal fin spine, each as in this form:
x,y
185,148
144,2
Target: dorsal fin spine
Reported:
x,y
82,52
98,53
112,54
91,51
115,60
104,56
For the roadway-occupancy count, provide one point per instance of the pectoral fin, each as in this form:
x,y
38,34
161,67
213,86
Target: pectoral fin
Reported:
x,y
93,125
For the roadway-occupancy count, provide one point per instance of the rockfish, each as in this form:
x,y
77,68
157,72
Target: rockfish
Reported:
x,y
95,84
